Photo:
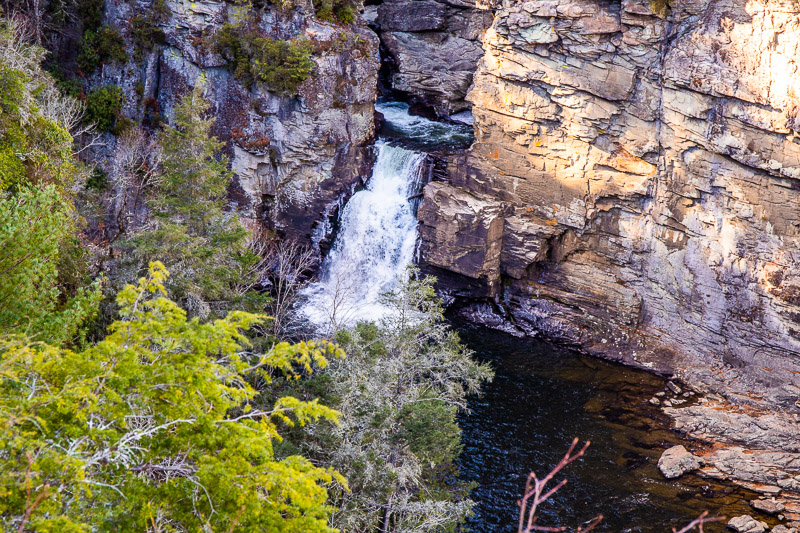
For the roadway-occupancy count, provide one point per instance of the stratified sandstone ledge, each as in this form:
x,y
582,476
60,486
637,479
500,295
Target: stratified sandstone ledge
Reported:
x,y
645,170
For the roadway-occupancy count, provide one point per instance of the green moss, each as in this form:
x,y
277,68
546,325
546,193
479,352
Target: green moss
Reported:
x,y
104,107
282,65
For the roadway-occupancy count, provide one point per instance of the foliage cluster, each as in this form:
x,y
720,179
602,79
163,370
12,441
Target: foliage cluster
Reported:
x,y
153,428
104,45
343,11
35,144
36,224
399,391
281,65
104,108
145,34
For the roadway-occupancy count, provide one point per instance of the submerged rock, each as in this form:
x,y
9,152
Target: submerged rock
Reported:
x,y
677,461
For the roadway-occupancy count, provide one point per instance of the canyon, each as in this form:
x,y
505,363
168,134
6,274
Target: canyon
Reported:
x,y
632,191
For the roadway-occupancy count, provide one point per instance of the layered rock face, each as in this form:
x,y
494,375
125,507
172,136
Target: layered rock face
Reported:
x,y
434,47
295,157
634,186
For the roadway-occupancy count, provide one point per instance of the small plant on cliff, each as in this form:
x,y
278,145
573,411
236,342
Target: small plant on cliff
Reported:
x,y
343,11
660,8
104,107
145,35
105,45
281,65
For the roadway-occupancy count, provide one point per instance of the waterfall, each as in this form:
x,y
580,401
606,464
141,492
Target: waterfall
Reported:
x,y
378,227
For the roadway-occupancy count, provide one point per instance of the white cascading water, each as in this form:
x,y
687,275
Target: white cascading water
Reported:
x,y
377,230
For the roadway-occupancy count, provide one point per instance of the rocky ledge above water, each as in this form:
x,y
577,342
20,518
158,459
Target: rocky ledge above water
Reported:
x,y
633,188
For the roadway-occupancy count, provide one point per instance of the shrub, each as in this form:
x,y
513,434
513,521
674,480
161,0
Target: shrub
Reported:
x,y
343,11
104,107
105,45
281,65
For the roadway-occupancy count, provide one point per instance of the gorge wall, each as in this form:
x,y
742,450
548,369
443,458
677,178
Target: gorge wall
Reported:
x,y
633,188
432,48
295,157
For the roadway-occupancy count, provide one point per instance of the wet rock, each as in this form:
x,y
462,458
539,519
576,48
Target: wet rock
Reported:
x,y
655,401
673,387
747,524
769,506
677,461
780,528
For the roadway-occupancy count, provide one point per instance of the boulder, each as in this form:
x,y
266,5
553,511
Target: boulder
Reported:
x,y
677,461
769,506
747,524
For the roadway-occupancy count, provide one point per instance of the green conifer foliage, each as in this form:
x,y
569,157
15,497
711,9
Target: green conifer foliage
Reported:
x,y
203,244
153,428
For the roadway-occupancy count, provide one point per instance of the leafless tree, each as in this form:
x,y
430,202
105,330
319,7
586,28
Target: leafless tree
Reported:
x,y
134,169
286,266
698,523
536,493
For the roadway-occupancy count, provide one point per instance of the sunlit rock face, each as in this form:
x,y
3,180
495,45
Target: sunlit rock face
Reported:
x,y
294,157
645,162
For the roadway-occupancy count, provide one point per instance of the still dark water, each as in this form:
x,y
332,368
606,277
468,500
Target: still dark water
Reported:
x,y
541,398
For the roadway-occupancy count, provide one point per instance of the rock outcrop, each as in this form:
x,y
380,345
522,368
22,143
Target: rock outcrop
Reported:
x,y
747,524
433,48
295,157
677,461
643,160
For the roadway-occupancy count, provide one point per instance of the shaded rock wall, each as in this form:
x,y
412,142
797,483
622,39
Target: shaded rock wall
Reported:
x,y
433,48
294,157
645,168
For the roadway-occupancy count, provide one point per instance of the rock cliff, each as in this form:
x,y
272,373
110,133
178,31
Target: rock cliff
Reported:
x,y
295,157
433,48
633,188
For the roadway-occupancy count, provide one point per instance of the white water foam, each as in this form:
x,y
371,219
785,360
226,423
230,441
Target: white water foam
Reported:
x,y
375,244
378,227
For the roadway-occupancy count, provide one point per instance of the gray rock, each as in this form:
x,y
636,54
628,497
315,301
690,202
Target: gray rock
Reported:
x,y
780,528
674,388
677,461
769,506
747,524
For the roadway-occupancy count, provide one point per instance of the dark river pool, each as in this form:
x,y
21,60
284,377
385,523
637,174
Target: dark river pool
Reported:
x,y
541,398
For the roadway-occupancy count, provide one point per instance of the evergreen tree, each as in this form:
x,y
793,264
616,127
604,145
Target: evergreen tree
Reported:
x,y
204,245
399,391
153,429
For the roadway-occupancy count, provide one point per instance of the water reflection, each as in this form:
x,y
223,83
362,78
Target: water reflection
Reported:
x,y
542,397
